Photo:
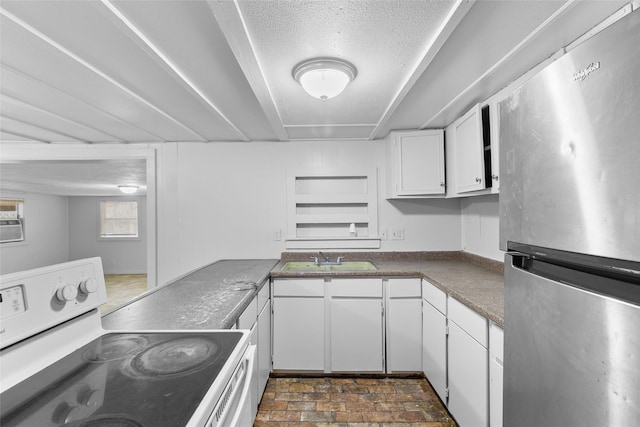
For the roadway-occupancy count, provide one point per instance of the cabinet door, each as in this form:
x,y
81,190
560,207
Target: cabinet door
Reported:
x,y
468,379
495,147
469,152
298,333
434,348
248,317
496,351
419,168
404,335
356,335
264,347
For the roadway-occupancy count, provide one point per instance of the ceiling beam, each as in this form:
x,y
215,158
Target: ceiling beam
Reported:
x,y
98,72
231,22
451,21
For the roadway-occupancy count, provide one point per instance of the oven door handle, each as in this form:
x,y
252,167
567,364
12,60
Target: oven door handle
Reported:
x,y
243,411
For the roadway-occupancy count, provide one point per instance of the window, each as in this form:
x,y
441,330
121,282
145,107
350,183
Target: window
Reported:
x,y
118,219
11,220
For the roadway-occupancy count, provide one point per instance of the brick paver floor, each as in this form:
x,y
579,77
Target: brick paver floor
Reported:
x,y
351,402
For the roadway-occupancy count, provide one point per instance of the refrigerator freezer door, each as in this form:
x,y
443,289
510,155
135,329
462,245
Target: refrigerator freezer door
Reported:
x,y
570,150
572,357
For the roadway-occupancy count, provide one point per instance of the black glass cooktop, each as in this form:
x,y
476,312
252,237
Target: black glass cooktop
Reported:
x,y
133,380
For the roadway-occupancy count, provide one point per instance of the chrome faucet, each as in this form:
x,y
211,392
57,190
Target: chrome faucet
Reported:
x,y
327,261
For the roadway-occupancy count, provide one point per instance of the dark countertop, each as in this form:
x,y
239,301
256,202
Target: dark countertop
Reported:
x,y
475,281
214,296
211,297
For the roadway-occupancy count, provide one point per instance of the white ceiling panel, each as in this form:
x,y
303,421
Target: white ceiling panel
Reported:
x,y
98,178
15,108
7,136
35,131
20,86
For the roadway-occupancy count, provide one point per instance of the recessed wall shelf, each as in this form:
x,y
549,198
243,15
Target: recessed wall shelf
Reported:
x,y
323,205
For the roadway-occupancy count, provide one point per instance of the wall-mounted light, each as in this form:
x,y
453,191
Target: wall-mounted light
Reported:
x,y
324,78
128,189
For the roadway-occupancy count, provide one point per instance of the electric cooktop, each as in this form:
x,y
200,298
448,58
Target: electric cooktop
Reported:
x,y
122,379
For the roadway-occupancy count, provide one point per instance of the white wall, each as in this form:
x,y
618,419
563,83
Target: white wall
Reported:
x,y
480,226
118,256
228,200
46,234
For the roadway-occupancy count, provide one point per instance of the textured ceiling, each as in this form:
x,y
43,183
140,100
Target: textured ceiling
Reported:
x,y
385,40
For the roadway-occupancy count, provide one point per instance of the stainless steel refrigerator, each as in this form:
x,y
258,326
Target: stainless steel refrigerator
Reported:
x,y
570,223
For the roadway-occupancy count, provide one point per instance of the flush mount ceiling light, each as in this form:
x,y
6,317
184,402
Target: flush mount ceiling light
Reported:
x,y
324,78
128,189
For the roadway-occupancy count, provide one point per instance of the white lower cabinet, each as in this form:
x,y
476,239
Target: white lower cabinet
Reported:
x,y
249,320
298,324
356,332
404,325
348,329
468,360
496,355
264,346
434,338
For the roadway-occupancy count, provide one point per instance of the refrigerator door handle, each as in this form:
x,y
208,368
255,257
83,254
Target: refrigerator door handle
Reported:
x,y
519,260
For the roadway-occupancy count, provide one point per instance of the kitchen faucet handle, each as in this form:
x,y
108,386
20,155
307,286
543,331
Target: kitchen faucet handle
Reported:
x,y
315,260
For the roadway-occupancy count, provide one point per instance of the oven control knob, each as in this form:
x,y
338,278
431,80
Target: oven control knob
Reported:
x,y
88,286
89,397
66,413
66,293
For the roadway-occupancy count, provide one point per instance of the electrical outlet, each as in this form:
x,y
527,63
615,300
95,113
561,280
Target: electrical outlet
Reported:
x,y
383,234
397,233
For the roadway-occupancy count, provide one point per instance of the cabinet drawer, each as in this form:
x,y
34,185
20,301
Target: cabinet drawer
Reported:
x,y
434,296
473,323
403,288
356,288
298,288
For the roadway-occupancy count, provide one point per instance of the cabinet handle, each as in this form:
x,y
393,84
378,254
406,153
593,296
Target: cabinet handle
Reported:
x,y
478,180
494,177
442,184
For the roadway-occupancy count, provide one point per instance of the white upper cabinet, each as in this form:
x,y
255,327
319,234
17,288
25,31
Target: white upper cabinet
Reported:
x,y
494,114
416,167
470,145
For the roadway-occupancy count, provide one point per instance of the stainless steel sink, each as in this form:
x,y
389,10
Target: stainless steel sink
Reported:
x,y
344,266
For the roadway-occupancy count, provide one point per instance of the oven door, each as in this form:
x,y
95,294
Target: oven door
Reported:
x,y
235,406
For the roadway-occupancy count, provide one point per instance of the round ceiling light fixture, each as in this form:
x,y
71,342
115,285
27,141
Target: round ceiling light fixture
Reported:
x,y
128,189
324,78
